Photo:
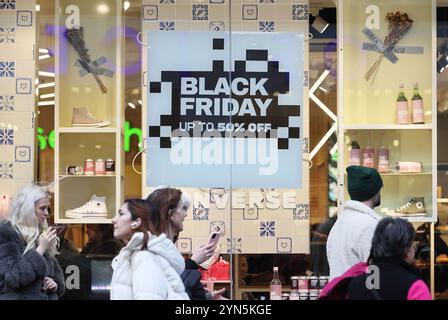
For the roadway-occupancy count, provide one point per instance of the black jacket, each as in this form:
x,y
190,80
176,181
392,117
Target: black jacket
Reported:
x,y
22,275
191,277
395,279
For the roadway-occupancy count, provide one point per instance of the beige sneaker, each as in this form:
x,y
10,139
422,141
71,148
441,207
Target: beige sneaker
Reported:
x,y
415,207
83,118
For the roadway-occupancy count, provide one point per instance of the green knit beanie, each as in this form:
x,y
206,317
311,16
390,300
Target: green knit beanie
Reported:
x,y
363,182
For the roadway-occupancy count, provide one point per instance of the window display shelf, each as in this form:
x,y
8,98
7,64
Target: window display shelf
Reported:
x,y
373,99
92,97
87,130
396,174
68,176
388,127
442,200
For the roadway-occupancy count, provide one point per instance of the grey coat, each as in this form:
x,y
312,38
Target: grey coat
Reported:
x,y
22,275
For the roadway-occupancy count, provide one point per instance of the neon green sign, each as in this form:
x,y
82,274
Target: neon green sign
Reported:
x,y
45,141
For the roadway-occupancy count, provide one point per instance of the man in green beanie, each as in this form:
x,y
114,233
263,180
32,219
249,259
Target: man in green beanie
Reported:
x,y
350,239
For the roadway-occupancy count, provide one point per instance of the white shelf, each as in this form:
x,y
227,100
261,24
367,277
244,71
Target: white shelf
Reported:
x,y
84,221
65,176
394,174
443,200
87,130
388,127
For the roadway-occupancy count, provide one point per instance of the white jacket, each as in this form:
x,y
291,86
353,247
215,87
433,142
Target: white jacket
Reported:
x,y
350,239
139,274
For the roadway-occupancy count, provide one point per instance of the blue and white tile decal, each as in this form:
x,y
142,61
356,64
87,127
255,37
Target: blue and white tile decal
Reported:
x,y
6,103
7,4
166,26
200,213
6,136
7,69
267,26
7,35
267,228
6,170
300,11
301,212
200,12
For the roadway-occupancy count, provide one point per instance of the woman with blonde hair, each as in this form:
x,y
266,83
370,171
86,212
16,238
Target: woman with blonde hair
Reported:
x,y
28,268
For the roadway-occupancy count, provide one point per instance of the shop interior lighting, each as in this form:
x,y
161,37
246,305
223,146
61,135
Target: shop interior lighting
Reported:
x,y
46,74
37,7
140,102
45,56
42,50
102,8
46,85
48,95
126,5
130,104
45,103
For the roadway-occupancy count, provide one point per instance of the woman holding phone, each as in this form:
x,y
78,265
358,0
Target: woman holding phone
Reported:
x,y
173,206
28,268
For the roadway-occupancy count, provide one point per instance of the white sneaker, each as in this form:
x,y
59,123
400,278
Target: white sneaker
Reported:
x,y
95,208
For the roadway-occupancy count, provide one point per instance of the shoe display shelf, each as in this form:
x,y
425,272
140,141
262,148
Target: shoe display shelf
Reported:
x,y
89,113
367,109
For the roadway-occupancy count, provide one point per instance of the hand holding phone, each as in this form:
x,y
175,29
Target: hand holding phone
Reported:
x,y
213,239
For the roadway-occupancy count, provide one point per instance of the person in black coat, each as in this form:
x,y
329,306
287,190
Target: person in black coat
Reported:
x,y
28,268
393,276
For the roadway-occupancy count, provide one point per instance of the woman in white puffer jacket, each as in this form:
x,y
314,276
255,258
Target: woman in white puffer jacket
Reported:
x,y
149,266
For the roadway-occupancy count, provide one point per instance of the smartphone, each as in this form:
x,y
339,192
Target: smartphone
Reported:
x,y
59,228
214,238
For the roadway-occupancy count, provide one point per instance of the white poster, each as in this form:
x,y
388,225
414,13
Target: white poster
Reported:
x,y
225,110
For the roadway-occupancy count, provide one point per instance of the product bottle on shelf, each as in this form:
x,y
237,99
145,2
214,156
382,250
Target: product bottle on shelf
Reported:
x,y
368,157
383,159
275,288
355,154
402,107
417,107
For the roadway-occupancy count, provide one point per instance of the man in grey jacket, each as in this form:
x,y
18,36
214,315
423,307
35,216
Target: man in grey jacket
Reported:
x,y
350,238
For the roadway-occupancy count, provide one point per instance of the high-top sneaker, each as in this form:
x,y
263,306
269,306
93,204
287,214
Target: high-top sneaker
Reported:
x,y
415,207
83,118
95,208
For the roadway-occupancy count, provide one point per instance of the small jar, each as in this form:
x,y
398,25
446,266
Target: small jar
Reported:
x,y
89,167
110,167
100,167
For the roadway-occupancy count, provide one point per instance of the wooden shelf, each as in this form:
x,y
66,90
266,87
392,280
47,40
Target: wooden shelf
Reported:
x,y
87,130
388,127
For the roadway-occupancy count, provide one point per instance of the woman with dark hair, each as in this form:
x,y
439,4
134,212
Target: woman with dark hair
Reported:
x,y
149,266
393,275
173,206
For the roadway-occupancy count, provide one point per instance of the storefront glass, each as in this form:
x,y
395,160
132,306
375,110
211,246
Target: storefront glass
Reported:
x,y
170,68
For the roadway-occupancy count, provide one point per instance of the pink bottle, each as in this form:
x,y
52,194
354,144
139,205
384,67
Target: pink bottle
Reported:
x,y
368,157
383,159
355,154
417,107
402,107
